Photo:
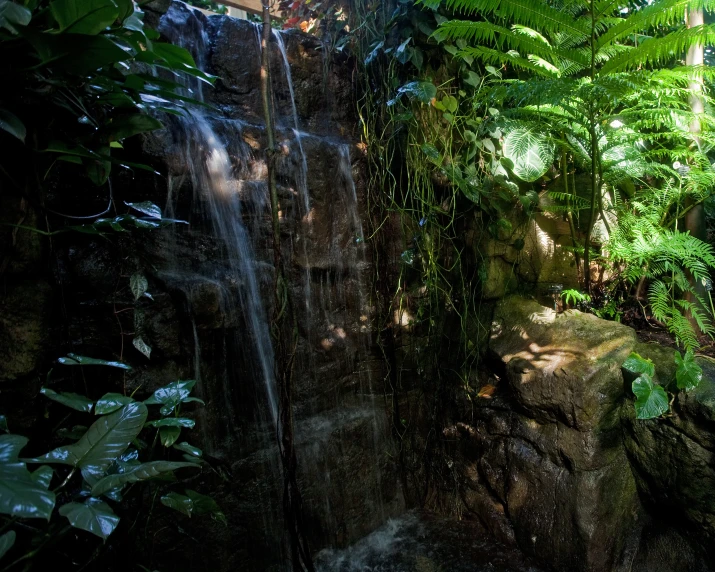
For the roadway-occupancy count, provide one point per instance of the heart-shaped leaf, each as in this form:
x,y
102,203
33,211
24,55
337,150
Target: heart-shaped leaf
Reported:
x,y
169,435
651,399
530,152
139,285
180,503
137,473
22,495
72,400
104,441
94,516
689,373
637,364
110,402
172,394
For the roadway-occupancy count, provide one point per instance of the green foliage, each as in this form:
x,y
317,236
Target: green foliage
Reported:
x,y
651,398
571,296
105,457
83,80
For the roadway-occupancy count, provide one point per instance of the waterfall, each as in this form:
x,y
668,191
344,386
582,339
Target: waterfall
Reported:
x,y
217,181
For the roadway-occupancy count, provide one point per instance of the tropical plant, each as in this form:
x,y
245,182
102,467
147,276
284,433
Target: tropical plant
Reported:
x,y
651,398
100,468
84,76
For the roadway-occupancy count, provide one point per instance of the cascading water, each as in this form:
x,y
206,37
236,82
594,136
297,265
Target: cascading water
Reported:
x,y
341,434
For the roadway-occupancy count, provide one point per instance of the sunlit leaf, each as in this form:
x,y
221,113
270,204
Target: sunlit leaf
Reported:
x,y
637,364
651,399
688,374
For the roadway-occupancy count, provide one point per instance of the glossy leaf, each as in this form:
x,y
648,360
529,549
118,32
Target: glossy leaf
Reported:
x,y
172,422
72,400
22,495
171,395
93,515
204,504
190,449
136,473
688,374
10,447
637,364
7,541
139,285
10,123
169,435
147,208
422,91
74,359
651,399
105,440
12,15
75,432
142,346
180,503
43,476
110,402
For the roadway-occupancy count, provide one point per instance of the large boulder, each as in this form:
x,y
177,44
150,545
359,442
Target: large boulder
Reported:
x,y
672,457
543,463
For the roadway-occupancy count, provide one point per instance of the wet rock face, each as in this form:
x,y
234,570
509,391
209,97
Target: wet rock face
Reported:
x,y
542,463
672,458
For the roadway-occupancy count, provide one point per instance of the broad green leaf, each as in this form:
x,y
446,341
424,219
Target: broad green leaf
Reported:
x,y
6,542
142,346
75,433
78,54
110,402
135,474
72,400
169,435
180,503
689,373
94,516
171,395
126,9
10,123
423,91
204,504
84,16
432,153
651,399
128,125
43,476
172,422
637,364
74,359
104,441
12,15
139,285
530,152
190,449
22,495
10,447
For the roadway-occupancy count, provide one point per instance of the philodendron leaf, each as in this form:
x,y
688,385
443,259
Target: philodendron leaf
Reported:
x,y
10,447
139,285
94,516
72,400
204,504
6,542
104,441
180,503
172,422
147,208
689,373
651,399
137,473
169,435
110,402
142,346
172,394
74,359
637,364
43,476
423,91
190,449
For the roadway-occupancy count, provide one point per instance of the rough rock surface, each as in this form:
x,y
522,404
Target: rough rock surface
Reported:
x,y
672,457
543,463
